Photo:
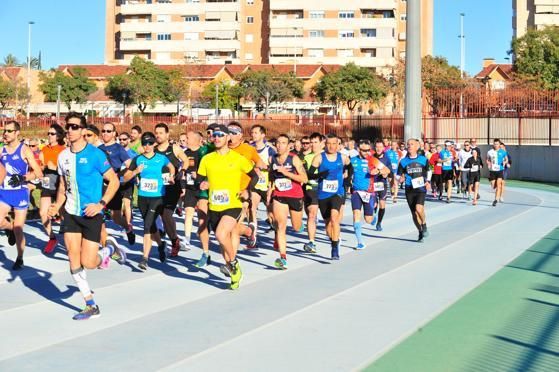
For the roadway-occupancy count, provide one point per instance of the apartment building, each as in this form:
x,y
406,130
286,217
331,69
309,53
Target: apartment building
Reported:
x,y
369,33
533,14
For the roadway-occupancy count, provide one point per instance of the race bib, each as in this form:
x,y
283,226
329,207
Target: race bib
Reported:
x,y
48,182
220,197
166,178
189,179
394,166
495,167
365,196
283,184
474,168
330,186
379,186
447,163
149,185
262,183
417,182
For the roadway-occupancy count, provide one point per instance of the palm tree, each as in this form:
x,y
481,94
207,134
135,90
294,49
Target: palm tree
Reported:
x,y
11,61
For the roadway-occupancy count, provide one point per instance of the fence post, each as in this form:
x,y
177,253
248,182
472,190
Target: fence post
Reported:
x,y
324,124
456,129
550,130
488,128
519,128
392,127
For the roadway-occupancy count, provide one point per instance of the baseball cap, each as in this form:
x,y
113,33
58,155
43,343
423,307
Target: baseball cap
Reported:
x,y
212,126
221,128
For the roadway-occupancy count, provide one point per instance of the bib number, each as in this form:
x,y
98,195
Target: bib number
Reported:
x,y
220,197
166,178
447,163
379,186
474,168
330,186
365,196
148,185
283,184
495,167
418,182
262,183
48,182
189,179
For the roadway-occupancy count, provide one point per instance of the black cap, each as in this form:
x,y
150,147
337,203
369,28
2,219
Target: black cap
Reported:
x,y
147,137
221,128
212,126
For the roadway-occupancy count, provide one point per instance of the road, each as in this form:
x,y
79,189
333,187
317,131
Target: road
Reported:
x,y
319,315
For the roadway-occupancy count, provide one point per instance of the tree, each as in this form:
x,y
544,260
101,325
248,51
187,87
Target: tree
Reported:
x,y
227,98
268,86
11,91
74,88
11,61
351,85
537,57
178,86
143,84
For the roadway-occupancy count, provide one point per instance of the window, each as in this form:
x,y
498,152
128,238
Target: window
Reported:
x,y
249,38
190,36
369,52
191,18
346,14
368,32
163,36
346,34
403,17
388,14
316,53
250,19
345,52
164,1
163,18
316,33
248,56
250,2
192,1
316,14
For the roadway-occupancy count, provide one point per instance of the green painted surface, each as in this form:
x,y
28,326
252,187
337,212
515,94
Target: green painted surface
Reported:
x,y
508,323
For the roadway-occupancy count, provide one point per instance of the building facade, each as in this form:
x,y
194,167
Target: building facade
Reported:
x,y
533,14
369,33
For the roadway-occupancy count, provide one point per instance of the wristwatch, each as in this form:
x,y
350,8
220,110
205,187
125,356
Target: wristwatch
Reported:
x,y
103,203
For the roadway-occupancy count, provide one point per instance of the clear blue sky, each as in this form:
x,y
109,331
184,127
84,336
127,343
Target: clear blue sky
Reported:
x,y
72,31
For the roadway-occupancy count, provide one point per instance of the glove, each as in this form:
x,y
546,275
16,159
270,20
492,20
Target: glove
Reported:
x,y
16,180
322,175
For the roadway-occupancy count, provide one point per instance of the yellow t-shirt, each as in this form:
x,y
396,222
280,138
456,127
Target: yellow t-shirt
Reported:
x,y
224,177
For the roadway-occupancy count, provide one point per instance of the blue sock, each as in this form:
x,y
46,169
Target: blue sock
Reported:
x,y
357,227
90,302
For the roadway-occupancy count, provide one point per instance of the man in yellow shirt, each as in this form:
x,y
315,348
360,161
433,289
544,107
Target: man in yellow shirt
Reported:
x,y
221,172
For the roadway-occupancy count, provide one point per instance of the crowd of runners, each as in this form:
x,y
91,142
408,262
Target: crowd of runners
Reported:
x,y
215,182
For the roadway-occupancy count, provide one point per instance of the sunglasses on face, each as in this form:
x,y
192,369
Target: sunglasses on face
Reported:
x,y
365,150
51,133
305,143
106,131
148,143
218,134
72,127
89,135
32,146
9,130
123,139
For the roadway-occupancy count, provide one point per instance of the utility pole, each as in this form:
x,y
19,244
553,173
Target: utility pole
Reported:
x,y
462,59
412,117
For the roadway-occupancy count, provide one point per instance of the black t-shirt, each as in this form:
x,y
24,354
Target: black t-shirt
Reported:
x,y
192,167
474,165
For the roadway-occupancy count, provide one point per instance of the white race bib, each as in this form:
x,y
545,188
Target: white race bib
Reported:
x,y
330,186
495,167
447,163
474,168
149,185
262,183
45,183
283,184
166,178
189,179
365,196
220,197
417,182
379,186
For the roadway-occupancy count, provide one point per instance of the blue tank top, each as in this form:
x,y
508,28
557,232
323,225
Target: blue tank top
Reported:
x,y
333,183
14,164
361,177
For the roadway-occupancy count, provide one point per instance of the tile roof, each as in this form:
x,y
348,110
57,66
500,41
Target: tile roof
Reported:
x,y
11,72
97,71
505,70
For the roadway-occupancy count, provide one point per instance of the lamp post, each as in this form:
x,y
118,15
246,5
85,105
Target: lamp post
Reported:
x,y
28,68
58,88
412,121
462,59
295,70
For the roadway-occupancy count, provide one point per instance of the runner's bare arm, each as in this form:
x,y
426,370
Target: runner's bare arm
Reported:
x,y
36,169
181,156
60,198
2,173
111,177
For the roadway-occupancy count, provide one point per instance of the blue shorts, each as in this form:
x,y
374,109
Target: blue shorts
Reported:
x,y
357,203
16,199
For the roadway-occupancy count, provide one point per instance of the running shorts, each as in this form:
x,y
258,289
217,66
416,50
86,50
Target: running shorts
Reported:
x,y
172,196
495,175
16,199
357,203
326,205
294,204
310,198
415,198
448,175
150,208
215,217
88,227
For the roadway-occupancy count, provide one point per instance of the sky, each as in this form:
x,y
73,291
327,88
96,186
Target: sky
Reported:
x,y
72,31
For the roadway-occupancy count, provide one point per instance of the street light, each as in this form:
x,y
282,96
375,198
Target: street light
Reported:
x,y
462,58
412,121
29,68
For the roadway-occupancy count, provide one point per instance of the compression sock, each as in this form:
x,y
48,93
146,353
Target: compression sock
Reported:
x,y
380,215
358,233
80,278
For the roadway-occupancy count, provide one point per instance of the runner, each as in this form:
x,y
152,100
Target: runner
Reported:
x,y
394,155
331,194
506,172
92,135
188,183
286,175
311,190
496,162
149,167
172,190
463,155
49,184
20,166
437,177
474,165
135,139
414,169
127,187
381,182
221,172
446,159
83,169
362,195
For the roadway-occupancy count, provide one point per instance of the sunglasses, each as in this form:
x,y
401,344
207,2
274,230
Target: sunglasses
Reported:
x,y
123,139
218,134
89,135
73,126
305,143
51,133
9,130
365,150
148,143
235,131
106,131
32,146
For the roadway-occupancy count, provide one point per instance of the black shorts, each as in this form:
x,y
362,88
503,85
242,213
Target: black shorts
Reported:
x,y
127,190
150,208
89,227
415,198
214,217
190,198
263,195
495,175
473,178
115,204
294,204
310,198
326,205
172,196
437,179
448,175
46,193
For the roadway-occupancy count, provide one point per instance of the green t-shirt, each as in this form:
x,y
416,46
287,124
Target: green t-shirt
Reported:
x,y
203,151
307,161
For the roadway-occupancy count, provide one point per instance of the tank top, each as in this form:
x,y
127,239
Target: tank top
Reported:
x,y
333,183
283,186
14,164
168,152
307,162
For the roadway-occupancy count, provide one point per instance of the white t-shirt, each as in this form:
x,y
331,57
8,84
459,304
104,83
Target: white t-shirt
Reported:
x,y
463,157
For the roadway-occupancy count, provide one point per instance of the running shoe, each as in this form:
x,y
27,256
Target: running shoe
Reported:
x,y
18,265
281,263
494,203
175,247
204,260
309,247
360,247
252,238
447,201
236,276
379,227
335,253
375,218
51,245
11,237
179,211
420,237
224,269
185,246
161,249
105,261
143,265
88,312
130,235
425,232
502,200
119,255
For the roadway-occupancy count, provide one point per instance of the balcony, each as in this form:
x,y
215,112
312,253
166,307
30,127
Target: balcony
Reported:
x,y
333,42
179,27
332,4
333,23
358,60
